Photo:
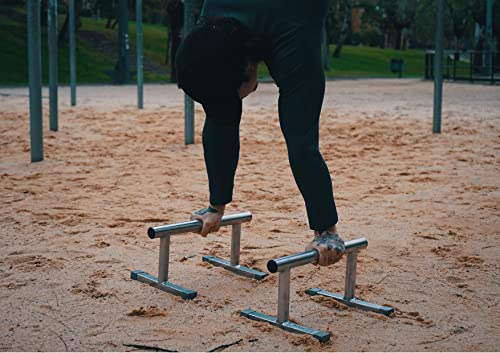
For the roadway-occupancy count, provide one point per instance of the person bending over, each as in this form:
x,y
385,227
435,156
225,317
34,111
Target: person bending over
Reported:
x,y
217,66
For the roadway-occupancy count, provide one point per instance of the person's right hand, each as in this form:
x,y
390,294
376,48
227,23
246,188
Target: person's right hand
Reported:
x,y
211,220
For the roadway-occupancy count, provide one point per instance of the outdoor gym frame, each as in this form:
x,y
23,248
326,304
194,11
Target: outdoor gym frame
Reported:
x,y
34,60
164,232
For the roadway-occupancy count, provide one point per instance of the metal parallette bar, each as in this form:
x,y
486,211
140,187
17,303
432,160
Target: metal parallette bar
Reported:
x,y
283,296
357,303
235,244
350,285
238,269
233,264
291,261
166,286
289,326
311,256
164,259
195,225
350,275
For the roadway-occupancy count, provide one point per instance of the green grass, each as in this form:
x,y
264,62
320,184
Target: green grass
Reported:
x,y
92,66
374,62
367,62
154,43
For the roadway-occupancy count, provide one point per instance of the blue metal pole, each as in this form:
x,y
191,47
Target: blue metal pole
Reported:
x,y
188,102
438,69
489,37
72,52
139,46
35,79
122,71
52,37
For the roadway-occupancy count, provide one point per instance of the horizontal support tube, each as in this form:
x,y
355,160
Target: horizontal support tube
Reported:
x,y
311,256
195,226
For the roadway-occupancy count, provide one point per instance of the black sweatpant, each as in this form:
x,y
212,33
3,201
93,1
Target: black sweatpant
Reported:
x,y
294,61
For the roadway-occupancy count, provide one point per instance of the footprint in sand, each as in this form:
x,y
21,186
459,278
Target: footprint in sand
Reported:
x,y
32,263
90,290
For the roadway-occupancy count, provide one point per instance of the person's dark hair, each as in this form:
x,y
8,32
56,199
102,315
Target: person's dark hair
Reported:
x,y
212,60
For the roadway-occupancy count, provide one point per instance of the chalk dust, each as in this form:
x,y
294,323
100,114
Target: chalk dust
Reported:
x,y
73,226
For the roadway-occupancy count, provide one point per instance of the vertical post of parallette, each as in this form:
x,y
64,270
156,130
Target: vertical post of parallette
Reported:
x,y
283,296
164,259
235,244
350,275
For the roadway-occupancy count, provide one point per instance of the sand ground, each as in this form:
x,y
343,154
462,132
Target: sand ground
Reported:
x,y
73,226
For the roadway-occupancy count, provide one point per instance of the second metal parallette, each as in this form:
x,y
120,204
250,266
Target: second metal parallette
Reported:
x,y
283,266
164,232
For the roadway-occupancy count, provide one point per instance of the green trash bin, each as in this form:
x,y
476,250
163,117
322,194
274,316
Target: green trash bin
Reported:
x,y
397,67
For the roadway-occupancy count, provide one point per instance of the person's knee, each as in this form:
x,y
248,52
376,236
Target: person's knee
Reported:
x,y
302,153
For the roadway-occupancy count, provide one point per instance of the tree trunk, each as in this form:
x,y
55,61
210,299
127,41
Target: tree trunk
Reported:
x,y
64,34
169,43
399,39
346,26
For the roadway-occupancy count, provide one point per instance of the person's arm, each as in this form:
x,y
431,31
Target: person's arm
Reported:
x,y
221,147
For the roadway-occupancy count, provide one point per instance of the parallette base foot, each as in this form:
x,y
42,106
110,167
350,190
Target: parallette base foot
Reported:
x,y
357,303
166,286
287,325
240,270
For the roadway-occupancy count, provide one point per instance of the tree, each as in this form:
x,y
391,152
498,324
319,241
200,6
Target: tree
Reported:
x,y
107,9
333,22
346,27
64,33
461,20
399,16
479,15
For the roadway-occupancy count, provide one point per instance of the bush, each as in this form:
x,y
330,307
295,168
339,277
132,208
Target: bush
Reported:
x,y
355,39
372,38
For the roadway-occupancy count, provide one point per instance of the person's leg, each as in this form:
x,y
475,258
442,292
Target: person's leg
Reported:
x,y
298,71
299,74
299,111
